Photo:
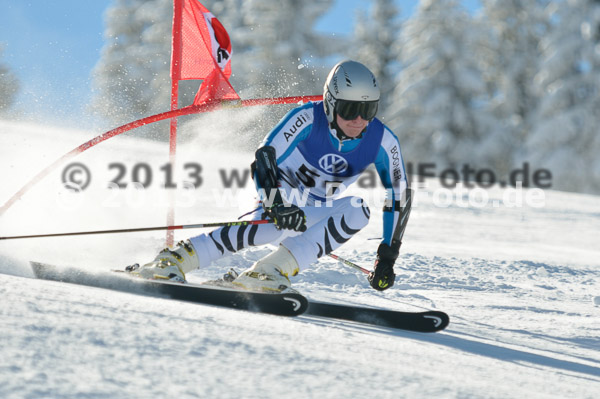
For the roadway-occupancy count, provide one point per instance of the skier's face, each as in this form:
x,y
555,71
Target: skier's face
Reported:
x,y
352,128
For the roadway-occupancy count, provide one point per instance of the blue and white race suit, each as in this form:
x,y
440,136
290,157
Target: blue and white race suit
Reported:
x,y
315,167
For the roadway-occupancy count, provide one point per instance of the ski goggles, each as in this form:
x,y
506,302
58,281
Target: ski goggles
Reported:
x,y
350,110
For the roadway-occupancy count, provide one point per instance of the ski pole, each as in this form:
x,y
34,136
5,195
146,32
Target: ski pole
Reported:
x,y
180,227
351,264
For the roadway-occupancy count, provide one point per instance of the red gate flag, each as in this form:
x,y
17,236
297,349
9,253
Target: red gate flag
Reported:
x,y
201,50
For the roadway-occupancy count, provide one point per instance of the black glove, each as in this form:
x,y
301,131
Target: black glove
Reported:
x,y
288,217
382,277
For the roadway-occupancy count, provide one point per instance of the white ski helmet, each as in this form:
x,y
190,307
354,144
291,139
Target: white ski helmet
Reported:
x,y
350,90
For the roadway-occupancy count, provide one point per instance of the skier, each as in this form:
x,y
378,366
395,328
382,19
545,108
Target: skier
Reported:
x,y
300,169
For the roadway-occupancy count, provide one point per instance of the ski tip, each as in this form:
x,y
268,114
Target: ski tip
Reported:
x,y
439,320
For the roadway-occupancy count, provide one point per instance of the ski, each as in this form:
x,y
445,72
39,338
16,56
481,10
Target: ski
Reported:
x,y
282,304
220,294
424,322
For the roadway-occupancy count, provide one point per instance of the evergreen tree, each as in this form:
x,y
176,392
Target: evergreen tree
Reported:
x,y
565,138
281,51
273,43
375,45
132,78
438,100
510,58
9,87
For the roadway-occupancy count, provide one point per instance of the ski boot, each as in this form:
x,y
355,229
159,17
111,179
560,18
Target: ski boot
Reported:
x,y
169,264
271,273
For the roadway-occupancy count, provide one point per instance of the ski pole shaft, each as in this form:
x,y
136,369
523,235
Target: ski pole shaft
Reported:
x,y
180,227
351,264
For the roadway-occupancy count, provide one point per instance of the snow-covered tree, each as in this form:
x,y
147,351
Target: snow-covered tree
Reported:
x,y
375,45
566,137
275,52
9,86
439,98
280,51
510,57
131,78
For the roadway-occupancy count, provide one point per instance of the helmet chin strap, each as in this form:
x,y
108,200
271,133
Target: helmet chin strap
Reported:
x,y
340,133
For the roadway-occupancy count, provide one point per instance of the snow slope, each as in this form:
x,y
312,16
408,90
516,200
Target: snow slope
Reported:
x,y
521,285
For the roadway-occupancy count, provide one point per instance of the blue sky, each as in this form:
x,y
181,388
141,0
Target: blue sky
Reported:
x,y
53,46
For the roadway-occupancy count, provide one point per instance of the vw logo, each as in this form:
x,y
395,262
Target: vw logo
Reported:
x,y
333,163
